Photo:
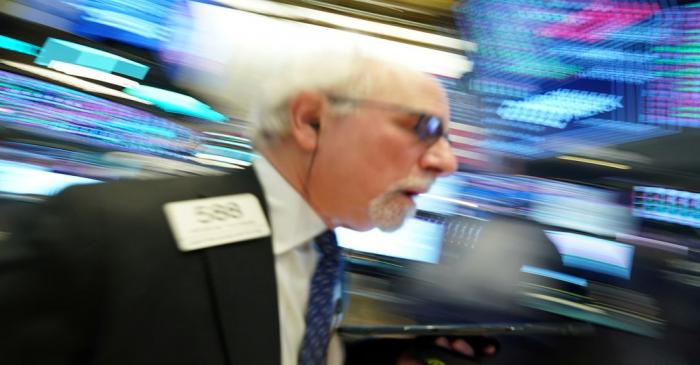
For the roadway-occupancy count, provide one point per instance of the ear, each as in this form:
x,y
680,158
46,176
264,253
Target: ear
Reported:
x,y
305,110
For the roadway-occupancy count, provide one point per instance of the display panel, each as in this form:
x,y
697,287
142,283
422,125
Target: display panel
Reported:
x,y
562,77
38,107
148,24
417,240
593,254
667,205
580,208
21,179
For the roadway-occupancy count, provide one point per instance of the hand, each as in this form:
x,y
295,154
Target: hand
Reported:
x,y
462,346
459,345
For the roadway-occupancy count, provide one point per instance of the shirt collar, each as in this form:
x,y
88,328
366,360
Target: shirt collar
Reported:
x,y
293,221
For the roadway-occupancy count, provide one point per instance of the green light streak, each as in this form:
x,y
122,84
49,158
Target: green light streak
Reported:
x,y
676,49
683,72
688,82
678,61
688,108
686,115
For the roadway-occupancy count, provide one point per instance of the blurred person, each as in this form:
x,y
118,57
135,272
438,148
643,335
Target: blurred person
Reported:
x,y
166,272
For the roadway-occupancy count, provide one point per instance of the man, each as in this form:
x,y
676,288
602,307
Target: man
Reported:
x,y
122,273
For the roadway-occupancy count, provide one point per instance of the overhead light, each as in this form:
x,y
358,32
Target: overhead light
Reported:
x,y
91,73
73,81
595,162
348,22
266,41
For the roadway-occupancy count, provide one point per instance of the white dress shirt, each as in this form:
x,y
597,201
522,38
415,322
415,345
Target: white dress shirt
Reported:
x,y
294,224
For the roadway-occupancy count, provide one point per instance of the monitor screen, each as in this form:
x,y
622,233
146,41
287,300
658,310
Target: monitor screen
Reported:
x,y
417,239
21,179
563,77
147,24
667,205
593,254
34,106
579,207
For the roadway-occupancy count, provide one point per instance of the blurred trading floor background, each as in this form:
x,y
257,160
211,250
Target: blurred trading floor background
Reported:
x,y
576,124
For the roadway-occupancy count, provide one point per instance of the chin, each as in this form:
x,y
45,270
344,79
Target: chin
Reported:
x,y
362,228
388,212
391,224
389,218
390,228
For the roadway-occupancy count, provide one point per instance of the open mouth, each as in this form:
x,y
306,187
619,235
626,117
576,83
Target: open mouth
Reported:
x,y
411,193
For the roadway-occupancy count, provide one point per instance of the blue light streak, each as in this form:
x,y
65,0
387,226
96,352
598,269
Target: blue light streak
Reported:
x,y
554,275
18,46
175,102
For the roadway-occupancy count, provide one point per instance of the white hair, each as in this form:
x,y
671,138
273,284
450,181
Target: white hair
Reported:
x,y
351,74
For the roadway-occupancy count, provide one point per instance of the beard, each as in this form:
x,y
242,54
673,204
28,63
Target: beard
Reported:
x,y
390,210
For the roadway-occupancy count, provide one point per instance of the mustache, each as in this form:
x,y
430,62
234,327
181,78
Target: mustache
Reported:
x,y
415,183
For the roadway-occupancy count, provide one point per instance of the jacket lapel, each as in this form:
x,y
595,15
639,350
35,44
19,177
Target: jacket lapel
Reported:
x,y
244,288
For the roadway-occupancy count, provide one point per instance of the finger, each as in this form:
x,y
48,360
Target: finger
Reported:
x,y
443,342
463,346
489,350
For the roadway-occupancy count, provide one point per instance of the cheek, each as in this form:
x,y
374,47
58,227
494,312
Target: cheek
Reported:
x,y
368,160
393,153
389,160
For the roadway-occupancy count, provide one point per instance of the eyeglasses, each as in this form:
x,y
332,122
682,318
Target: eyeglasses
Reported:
x,y
429,128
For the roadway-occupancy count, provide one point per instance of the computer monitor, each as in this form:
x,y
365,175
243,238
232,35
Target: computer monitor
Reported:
x,y
416,240
593,254
26,179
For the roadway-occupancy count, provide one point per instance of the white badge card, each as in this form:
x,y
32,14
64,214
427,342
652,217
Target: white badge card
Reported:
x,y
203,223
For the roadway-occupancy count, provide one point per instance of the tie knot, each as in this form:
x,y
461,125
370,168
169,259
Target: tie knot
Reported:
x,y
327,242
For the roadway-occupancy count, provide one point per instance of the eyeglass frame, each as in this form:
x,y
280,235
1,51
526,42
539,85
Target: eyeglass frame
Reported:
x,y
423,118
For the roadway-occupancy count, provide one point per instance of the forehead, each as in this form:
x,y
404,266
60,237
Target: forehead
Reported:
x,y
413,90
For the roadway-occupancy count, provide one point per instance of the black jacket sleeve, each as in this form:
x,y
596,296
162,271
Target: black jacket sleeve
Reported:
x,y
45,293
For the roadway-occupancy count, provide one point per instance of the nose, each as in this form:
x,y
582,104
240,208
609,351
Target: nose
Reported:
x,y
439,158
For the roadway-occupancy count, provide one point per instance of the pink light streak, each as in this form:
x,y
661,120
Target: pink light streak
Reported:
x,y
599,20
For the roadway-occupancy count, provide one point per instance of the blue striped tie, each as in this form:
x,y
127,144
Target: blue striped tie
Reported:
x,y
319,312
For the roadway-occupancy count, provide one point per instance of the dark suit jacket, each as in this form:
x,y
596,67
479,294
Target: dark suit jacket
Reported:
x,y
95,277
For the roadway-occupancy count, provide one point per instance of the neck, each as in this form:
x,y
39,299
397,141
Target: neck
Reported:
x,y
293,165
